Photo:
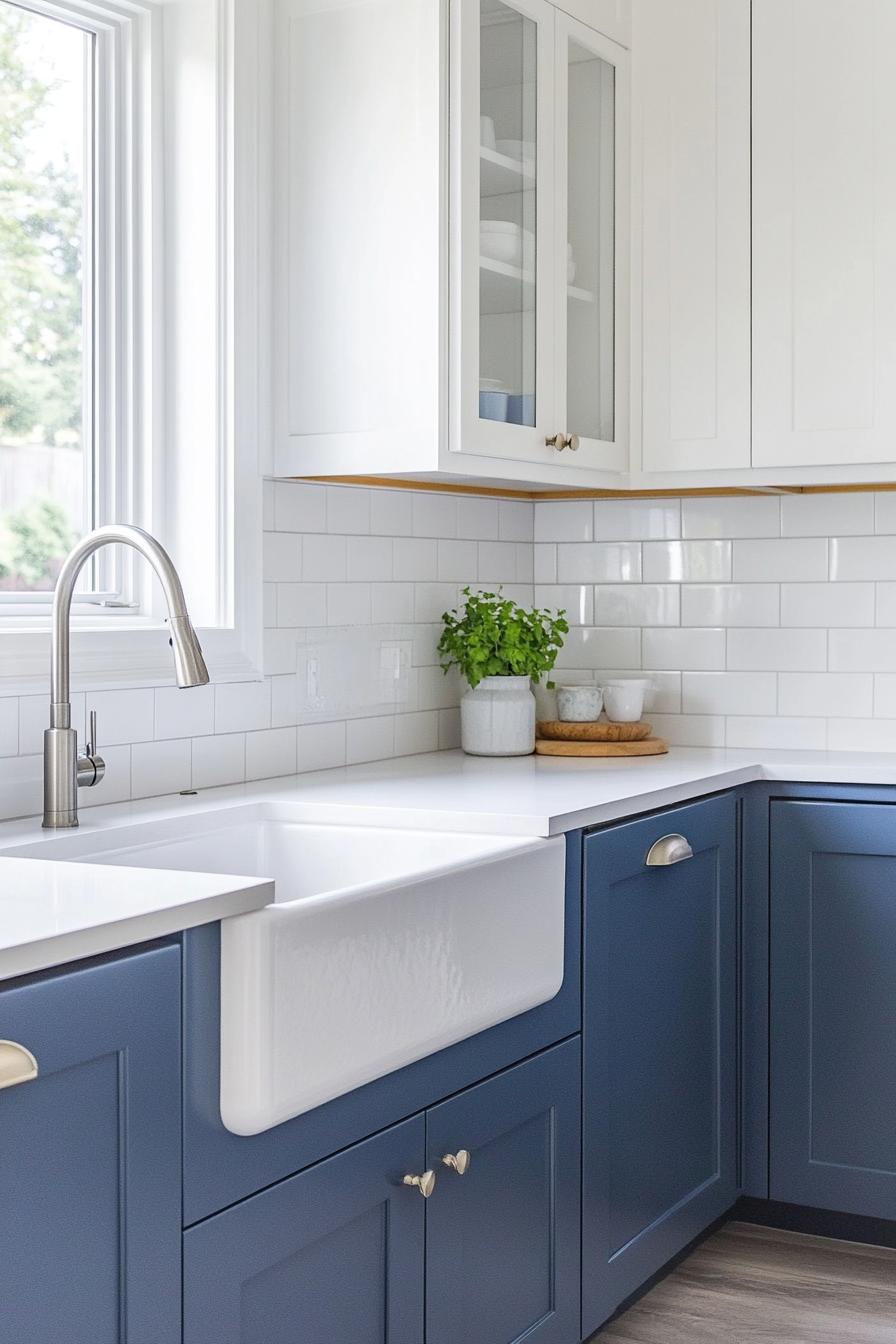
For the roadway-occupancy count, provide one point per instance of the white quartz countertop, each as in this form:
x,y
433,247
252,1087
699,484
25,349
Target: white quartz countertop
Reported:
x,y
53,911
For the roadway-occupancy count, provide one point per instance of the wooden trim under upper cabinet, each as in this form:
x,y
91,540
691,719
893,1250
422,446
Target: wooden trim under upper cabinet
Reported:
x,y
447,487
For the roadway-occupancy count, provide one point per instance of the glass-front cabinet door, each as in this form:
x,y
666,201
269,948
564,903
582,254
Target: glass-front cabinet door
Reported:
x,y
591,334
537,367
503,223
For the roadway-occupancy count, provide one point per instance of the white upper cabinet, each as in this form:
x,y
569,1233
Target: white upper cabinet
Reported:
x,y
451,240
824,232
691,62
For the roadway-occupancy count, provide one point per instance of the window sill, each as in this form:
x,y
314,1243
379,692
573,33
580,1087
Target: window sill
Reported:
x,y
112,652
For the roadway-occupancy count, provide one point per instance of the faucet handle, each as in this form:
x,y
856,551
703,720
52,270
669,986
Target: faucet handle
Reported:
x,y
91,744
91,766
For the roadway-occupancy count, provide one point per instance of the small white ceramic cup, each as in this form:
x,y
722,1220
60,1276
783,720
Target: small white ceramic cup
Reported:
x,y
487,132
579,704
624,699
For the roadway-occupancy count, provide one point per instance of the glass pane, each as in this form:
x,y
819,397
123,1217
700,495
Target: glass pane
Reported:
x,y
507,214
44,138
590,245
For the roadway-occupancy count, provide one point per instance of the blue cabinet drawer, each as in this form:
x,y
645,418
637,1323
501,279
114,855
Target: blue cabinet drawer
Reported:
x,y
833,1006
659,1046
90,1156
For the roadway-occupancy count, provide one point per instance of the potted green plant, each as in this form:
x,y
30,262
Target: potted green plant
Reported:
x,y
500,648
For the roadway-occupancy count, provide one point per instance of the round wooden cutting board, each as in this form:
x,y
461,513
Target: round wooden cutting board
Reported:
x,y
561,731
648,746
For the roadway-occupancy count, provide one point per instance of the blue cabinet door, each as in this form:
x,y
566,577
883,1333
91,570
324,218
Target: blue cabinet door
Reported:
x,y
333,1255
659,1046
833,1006
90,1156
502,1239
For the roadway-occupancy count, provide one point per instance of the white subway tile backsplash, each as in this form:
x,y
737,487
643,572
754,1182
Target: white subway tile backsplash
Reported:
x,y
862,650
320,746
863,558
576,599
369,739
477,519
243,706
298,507
687,561
516,521
9,726
284,701
827,604
282,557
885,604
685,650
727,604
502,562
804,559
544,563
122,716
324,559
826,694
415,733
280,651
348,604
827,515
392,603
161,767
601,648
301,604
885,512
457,561
369,558
391,512
434,515
884,696
348,509
271,752
416,560
637,519
564,520
599,562
689,730
636,604
748,693
862,734
777,650
432,600
730,517
796,734
219,760
184,713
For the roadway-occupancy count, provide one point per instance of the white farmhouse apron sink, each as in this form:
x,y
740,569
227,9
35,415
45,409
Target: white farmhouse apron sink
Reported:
x,y
381,946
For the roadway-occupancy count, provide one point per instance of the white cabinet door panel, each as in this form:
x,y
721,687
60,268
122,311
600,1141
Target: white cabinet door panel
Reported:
x,y
692,95
824,232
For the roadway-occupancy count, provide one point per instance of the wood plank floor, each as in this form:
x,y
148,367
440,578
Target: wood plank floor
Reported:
x,y
753,1285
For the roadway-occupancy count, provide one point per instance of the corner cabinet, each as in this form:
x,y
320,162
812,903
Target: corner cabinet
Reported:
x,y
348,1250
90,1143
832,1137
451,254
660,1060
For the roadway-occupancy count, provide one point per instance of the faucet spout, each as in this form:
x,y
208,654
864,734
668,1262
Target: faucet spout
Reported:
x,y
62,767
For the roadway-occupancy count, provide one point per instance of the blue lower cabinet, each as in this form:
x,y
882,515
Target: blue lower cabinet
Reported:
x,y
833,1006
659,1044
90,1243
502,1238
332,1255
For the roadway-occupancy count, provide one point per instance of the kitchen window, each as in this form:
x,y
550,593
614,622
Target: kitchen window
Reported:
x,y
129,346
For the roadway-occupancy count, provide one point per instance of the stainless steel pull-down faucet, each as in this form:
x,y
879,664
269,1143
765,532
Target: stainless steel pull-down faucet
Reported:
x,y
64,769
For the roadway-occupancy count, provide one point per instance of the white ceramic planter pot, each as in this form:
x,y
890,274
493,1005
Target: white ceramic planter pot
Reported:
x,y
498,718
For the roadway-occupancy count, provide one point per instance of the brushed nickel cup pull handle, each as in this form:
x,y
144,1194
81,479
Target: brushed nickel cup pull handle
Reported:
x,y
425,1183
458,1161
668,850
17,1065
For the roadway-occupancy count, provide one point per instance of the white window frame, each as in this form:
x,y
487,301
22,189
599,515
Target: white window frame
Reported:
x,y
185,405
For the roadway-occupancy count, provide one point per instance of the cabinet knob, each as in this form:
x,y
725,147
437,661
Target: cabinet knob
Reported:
x,y
667,850
561,441
425,1183
458,1161
17,1065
